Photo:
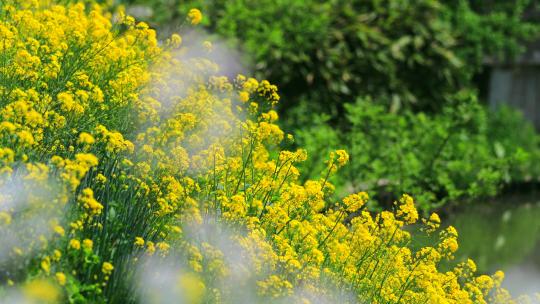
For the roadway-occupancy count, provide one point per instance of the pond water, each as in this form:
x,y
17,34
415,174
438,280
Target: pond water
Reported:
x,y
503,234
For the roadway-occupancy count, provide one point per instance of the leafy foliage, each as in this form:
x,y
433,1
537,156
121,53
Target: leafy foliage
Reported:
x,y
413,54
460,154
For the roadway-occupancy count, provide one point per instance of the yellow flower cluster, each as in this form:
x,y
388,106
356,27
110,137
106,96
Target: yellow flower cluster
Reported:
x,y
354,202
195,16
70,81
107,268
142,145
87,200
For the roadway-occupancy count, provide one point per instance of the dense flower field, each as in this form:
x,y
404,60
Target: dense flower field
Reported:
x,y
133,171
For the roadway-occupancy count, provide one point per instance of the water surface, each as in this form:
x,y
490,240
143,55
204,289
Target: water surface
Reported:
x,y
503,234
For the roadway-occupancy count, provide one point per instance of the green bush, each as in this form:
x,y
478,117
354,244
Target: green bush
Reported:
x,y
404,53
511,134
460,154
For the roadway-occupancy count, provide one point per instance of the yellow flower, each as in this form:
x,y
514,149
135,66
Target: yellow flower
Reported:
x,y
87,244
100,178
338,159
86,138
353,202
129,20
406,210
150,248
87,159
107,268
432,223
87,200
61,278
46,264
59,230
26,137
57,254
139,241
164,247
274,286
343,157
195,16
176,40
244,96
75,244
498,277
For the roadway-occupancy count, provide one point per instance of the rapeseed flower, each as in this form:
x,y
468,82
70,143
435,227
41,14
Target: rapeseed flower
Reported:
x,y
195,16
61,278
107,268
139,154
75,244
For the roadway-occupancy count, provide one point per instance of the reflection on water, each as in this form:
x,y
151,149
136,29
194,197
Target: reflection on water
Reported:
x,y
523,278
503,234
